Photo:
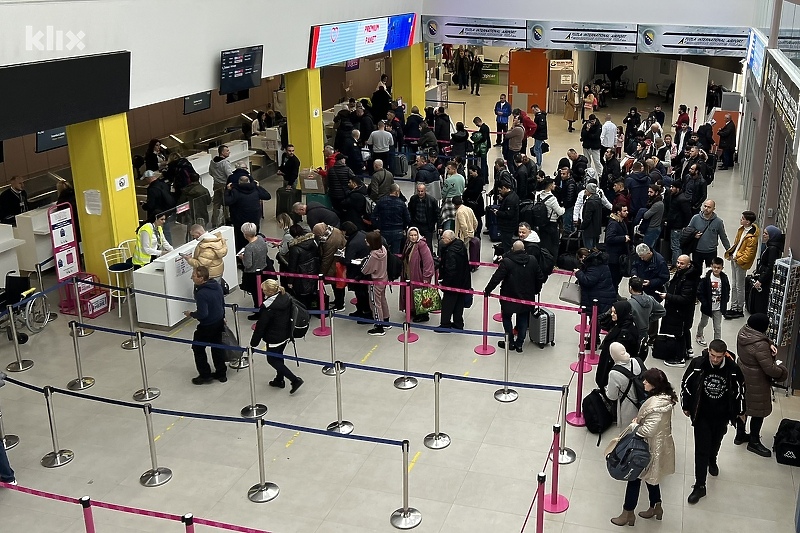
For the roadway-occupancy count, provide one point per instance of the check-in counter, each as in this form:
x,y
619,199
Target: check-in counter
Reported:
x,y
33,228
8,249
240,151
171,275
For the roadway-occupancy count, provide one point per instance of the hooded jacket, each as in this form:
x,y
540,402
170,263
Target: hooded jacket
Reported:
x,y
427,173
304,258
210,303
759,368
274,324
746,255
645,309
441,127
595,280
220,168
210,252
617,386
354,206
521,278
637,184
730,381
458,142
328,249
624,332
679,300
338,177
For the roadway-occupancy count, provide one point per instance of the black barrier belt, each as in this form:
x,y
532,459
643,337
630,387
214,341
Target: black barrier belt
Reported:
x,y
163,337
145,293
202,416
371,321
502,383
97,398
46,261
38,293
24,385
466,331
389,371
316,431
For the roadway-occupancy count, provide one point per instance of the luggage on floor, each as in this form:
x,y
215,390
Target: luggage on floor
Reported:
x,y
669,347
285,199
598,413
641,89
711,167
542,327
399,165
323,199
568,261
475,250
787,443
570,243
491,225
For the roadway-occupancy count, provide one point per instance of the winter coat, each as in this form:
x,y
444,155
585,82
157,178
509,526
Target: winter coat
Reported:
x,y
624,332
429,209
356,248
616,245
515,138
159,198
417,265
696,190
746,255
328,249
637,183
713,232
569,193
766,263
594,278
354,206
679,300
679,212
759,368
303,259
611,172
244,201
210,252
655,425
727,136
573,102
590,136
693,396
454,270
592,217
541,126
655,271
508,213
380,183
578,168
458,142
704,293
441,128
617,385
427,141
274,324
427,173
338,177
521,278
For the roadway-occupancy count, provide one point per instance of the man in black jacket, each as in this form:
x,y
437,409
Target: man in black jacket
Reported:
x,y
441,127
244,200
290,167
355,204
159,198
356,248
569,196
592,217
590,140
339,176
426,171
679,299
391,217
712,396
210,315
579,164
454,272
522,175
540,118
727,142
424,211
522,279
507,214
14,200
352,151
679,214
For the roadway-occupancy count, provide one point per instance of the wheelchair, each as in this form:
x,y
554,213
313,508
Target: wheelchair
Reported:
x,y
33,314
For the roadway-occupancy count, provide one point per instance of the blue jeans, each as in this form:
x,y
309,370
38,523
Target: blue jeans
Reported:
x,y
651,236
394,238
569,226
522,327
6,473
675,244
537,151
589,242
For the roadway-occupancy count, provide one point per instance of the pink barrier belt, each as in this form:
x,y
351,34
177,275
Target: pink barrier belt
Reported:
x,y
331,279
40,493
134,510
503,298
230,527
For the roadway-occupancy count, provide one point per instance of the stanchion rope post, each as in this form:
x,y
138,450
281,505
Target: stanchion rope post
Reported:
x,y
565,455
88,516
405,382
188,521
243,361
484,348
540,478
255,409
322,330
593,358
407,333
58,457
581,365
82,332
575,418
264,491
20,365
157,475
506,395
330,370
436,440
81,382
555,502
146,393
339,426
133,342
406,517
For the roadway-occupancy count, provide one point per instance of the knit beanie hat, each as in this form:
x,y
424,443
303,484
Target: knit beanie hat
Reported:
x,y
618,353
759,322
772,231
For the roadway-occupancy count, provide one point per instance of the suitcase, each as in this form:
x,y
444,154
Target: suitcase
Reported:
x,y
711,167
285,199
491,225
542,327
399,165
641,89
668,347
320,199
475,250
569,244
787,443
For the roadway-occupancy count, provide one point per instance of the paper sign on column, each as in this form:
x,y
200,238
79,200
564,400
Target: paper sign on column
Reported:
x,y
93,202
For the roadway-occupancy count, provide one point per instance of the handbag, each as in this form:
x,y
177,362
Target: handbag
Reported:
x,y
570,292
426,300
545,147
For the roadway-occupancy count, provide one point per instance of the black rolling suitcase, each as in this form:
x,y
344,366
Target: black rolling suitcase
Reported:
x,y
491,225
285,199
542,326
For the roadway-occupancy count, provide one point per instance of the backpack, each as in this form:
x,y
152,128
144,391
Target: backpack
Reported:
x,y
787,443
300,320
598,413
635,382
369,205
545,259
541,213
630,456
394,267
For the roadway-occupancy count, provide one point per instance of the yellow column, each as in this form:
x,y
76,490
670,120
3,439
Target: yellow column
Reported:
x,y
408,75
304,116
100,156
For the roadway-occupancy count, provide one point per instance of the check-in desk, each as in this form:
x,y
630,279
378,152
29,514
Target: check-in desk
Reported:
x,y
33,227
170,274
240,151
9,246
200,162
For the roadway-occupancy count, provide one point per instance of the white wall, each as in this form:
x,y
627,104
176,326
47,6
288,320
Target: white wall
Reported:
x,y
734,12
691,86
175,44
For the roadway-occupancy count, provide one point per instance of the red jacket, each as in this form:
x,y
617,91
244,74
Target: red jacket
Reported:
x,y
329,162
528,124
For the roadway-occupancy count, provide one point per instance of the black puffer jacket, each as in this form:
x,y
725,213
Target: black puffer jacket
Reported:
x,y
458,141
595,281
304,259
681,295
569,193
338,177
427,173
274,324
508,213
356,248
521,277
442,127
454,270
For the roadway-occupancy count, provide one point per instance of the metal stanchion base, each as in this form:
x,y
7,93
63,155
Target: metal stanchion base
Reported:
x,y
505,395
330,370
240,364
486,349
10,441
56,459
576,419
263,493
143,395
154,478
345,427
405,383
83,332
497,317
406,518
80,384
566,456
254,411
20,366
437,442
132,344
561,504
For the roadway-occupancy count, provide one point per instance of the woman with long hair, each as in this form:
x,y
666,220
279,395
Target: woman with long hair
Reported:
x,y
654,424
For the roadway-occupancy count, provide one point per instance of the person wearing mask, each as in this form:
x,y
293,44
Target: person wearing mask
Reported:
x,y
220,168
155,158
621,329
210,316
742,255
617,242
502,110
454,272
254,258
679,296
521,278
710,230
375,267
592,142
549,234
760,369
594,278
713,293
654,215
619,387
210,251
653,422
14,201
646,312
274,328
150,242
391,217
773,241
712,396
418,267
244,200
679,214
591,216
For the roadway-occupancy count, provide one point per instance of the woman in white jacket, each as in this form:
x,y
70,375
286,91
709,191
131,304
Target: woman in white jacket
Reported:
x,y
620,387
654,423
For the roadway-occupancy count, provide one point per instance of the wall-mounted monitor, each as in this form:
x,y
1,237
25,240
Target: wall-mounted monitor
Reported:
x,y
51,139
335,43
196,102
240,69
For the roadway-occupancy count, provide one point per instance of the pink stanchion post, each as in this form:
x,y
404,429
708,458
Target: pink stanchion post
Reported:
x,y
485,348
593,358
541,477
412,337
555,502
188,521
323,330
581,366
88,516
576,418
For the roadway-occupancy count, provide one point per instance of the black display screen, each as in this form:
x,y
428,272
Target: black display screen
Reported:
x,y
240,69
196,102
51,139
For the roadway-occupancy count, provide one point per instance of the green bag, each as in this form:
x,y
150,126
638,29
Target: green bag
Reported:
x,y
426,300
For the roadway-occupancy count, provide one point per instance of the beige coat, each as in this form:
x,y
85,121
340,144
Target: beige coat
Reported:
x,y
466,224
655,425
759,368
571,109
210,252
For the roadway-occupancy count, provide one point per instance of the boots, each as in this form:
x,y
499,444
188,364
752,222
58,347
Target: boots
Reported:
x,y
627,517
656,511
757,448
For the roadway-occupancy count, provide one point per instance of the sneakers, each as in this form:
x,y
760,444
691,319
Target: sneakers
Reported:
x,y
759,449
377,331
518,348
700,340
698,491
221,377
387,327
713,469
733,314
200,380
278,384
690,352
338,308
296,384
677,364
741,439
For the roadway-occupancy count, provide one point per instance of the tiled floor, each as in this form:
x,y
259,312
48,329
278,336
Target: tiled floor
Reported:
x,y
483,482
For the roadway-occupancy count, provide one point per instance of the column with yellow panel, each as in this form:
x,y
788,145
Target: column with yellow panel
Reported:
x,y
100,156
408,75
304,117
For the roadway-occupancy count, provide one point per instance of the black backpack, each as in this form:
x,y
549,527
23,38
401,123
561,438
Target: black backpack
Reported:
x,y
545,259
598,413
636,382
394,267
300,320
541,214
629,458
787,443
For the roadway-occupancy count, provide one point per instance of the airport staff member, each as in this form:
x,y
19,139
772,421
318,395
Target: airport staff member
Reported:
x,y
150,242
13,201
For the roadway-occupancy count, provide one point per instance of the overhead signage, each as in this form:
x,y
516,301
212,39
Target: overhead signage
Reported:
x,y
756,49
62,237
600,37
352,64
693,40
342,41
783,90
474,31
561,64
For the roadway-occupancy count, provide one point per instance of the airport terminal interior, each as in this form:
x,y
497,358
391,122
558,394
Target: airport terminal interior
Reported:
x,y
484,481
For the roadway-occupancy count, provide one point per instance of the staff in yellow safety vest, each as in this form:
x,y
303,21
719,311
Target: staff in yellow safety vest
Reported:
x,y
150,242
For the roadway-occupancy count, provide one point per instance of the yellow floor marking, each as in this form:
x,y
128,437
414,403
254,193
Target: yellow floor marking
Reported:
x,y
364,360
466,373
475,360
179,329
291,441
155,439
413,461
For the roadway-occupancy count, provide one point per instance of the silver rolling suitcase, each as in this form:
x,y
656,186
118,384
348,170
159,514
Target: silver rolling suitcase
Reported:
x,y
542,327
